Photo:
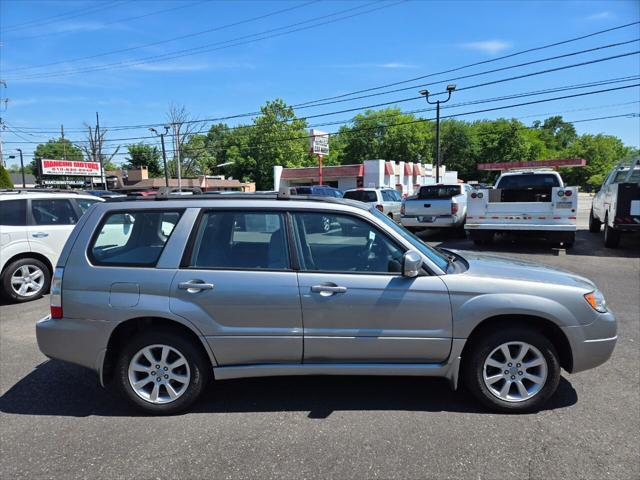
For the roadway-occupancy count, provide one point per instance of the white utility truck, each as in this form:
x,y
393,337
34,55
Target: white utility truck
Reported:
x,y
524,202
617,203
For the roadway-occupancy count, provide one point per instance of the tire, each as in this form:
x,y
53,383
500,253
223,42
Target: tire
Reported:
x,y
488,349
611,235
35,276
187,381
481,237
568,239
595,225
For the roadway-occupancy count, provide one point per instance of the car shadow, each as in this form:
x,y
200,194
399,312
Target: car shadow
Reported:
x,y
56,388
586,244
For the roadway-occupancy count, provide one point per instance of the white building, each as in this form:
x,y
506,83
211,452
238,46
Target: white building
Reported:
x,y
405,177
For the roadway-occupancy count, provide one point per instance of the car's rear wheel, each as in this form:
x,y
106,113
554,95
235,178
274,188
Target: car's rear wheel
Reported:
x,y
162,372
594,224
512,370
26,279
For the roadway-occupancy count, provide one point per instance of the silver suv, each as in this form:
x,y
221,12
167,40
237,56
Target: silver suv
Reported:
x,y
160,296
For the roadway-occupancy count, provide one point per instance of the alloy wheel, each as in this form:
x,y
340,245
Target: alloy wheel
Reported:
x,y
27,280
515,371
159,374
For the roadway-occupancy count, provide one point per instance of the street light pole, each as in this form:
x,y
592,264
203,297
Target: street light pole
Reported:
x,y
164,153
425,93
24,184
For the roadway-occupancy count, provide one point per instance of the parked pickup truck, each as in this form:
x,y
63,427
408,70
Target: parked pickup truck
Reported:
x,y
617,203
524,201
436,206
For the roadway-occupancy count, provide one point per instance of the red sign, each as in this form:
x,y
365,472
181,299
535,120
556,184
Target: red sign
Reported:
x,y
563,162
70,167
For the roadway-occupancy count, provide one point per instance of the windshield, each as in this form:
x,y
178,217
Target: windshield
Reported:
x,y
530,180
366,196
438,191
436,257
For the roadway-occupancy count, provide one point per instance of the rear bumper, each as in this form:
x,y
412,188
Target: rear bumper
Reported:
x,y
82,342
442,221
512,227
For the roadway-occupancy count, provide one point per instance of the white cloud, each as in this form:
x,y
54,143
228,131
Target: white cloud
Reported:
x,y
488,46
601,16
188,67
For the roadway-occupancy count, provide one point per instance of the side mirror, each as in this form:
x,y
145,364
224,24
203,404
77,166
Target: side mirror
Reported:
x,y
411,264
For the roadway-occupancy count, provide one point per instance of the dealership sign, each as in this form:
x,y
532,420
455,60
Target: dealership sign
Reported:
x,y
319,142
70,167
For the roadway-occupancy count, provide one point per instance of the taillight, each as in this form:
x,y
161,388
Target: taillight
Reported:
x,y
380,207
454,208
402,209
561,193
474,195
568,193
56,293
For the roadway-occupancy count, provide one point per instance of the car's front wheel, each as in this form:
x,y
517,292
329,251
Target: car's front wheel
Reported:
x,y
512,370
162,372
595,225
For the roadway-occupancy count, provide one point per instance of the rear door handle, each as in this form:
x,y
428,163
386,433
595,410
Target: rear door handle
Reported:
x,y
195,286
328,289
39,234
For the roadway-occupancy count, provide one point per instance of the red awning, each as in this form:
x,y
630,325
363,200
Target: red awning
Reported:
x,y
560,162
407,169
416,170
388,168
327,172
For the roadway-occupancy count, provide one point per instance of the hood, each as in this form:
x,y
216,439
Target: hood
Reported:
x,y
494,266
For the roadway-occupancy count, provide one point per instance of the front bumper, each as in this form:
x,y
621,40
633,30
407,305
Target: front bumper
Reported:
x,y
82,342
593,344
442,221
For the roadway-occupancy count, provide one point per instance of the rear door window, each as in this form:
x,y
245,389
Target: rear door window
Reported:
x,y
533,180
240,240
433,192
13,213
133,238
85,203
367,196
53,211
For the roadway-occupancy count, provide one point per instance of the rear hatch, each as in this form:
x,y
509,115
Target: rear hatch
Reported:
x,y
432,200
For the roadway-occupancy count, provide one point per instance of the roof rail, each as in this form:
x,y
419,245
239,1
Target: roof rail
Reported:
x,y
40,190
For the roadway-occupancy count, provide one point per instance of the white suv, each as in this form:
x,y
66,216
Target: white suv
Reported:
x,y
34,227
386,200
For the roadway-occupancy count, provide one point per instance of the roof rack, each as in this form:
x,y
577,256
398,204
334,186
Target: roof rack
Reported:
x,y
40,190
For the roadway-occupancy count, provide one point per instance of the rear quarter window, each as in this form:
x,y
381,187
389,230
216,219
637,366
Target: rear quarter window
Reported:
x,y
13,213
134,238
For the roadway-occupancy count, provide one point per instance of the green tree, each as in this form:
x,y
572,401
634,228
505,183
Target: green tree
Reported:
x,y
602,152
5,178
55,149
556,133
143,155
459,148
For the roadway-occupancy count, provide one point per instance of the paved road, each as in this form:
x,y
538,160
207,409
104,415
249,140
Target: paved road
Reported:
x,y
55,422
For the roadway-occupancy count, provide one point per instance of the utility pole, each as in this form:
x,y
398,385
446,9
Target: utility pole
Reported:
x,y
24,183
64,145
425,93
164,153
2,101
99,145
176,146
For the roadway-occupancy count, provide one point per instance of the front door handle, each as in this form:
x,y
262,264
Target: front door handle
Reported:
x,y
195,286
40,234
327,290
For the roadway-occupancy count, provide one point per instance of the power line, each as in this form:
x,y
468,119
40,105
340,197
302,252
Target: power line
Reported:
x,y
62,16
225,44
160,42
111,22
475,64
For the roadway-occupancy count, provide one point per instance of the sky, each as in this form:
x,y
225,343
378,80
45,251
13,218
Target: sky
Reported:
x,y
63,61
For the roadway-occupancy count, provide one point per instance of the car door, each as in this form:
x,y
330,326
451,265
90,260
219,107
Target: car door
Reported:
x,y
237,280
13,229
51,223
357,307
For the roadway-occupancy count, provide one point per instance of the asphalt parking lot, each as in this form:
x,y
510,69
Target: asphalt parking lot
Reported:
x,y
56,422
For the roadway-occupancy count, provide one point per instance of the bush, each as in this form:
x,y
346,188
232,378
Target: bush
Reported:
x,y
5,178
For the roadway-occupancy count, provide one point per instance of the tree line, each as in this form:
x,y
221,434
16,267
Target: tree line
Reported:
x,y
277,136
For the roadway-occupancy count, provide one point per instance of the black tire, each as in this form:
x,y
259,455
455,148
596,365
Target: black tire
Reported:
x,y
481,348
199,367
611,235
9,292
595,225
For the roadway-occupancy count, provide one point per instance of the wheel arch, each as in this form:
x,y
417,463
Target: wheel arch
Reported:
x,y
35,255
542,325
133,326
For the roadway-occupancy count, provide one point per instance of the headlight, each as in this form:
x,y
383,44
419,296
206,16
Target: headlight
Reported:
x,y
597,301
